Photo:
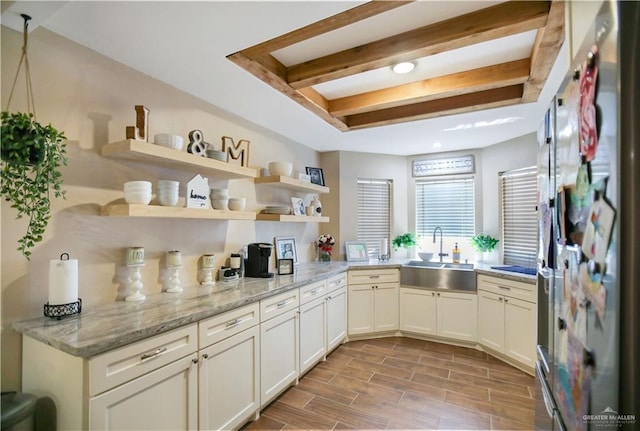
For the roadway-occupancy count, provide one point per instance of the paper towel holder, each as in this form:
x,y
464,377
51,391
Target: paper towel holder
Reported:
x,y
63,310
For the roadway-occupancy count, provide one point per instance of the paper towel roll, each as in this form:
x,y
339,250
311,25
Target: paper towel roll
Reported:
x,y
63,281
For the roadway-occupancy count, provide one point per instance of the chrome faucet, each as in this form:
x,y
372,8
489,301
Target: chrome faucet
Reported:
x,y
441,254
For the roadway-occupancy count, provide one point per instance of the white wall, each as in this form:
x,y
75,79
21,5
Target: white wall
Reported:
x,y
92,98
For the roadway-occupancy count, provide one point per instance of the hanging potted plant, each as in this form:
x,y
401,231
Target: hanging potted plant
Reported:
x,y
31,156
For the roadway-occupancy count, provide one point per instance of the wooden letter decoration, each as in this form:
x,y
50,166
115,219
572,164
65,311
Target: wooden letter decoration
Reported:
x,y
236,151
141,130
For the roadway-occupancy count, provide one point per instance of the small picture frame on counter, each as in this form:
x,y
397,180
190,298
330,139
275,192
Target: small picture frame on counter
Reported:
x,y
356,251
285,266
286,248
317,177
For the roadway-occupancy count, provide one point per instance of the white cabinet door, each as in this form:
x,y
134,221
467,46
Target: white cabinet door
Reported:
x,y
457,315
360,309
164,399
278,355
418,311
385,307
312,333
520,330
336,318
229,381
491,323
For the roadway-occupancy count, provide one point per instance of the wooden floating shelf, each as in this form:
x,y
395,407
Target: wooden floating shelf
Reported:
x,y
291,184
131,210
292,218
141,151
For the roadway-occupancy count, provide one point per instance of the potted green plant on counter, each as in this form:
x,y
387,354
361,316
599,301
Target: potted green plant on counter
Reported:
x,y
483,244
405,241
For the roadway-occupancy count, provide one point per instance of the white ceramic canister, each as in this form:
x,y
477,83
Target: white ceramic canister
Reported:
x,y
317,206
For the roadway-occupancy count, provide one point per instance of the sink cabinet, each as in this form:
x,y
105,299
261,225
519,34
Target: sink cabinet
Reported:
x,y
507,318
442,314
373,301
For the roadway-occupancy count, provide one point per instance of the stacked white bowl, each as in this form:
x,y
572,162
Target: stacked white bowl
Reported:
x,y
168,140
168,192
219,198
237,204
137,192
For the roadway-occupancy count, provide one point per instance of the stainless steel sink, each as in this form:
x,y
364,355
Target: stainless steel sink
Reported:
x,y
439,275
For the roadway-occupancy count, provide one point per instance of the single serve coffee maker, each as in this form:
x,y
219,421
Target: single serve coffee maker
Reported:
x,y
257,264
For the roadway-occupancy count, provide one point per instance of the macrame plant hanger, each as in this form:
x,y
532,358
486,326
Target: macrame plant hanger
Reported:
x,y
24,59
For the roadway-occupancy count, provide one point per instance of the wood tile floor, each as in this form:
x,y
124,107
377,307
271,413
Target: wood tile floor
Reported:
x,y
403,383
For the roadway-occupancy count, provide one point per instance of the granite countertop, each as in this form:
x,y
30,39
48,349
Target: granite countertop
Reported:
x,y
106,327
102,328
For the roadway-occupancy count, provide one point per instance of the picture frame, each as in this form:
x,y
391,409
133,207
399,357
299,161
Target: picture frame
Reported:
x,y
298,206
285,266
317,176
356,251
286,248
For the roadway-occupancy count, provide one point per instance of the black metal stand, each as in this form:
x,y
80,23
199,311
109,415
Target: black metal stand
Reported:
x,y
63,310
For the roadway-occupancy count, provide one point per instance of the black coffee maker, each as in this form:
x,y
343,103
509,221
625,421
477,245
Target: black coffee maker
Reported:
x,y
257,263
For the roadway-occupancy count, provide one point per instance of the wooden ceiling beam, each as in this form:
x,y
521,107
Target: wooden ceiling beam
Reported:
x,y
440,107
326,25
484,78
497,21
545,51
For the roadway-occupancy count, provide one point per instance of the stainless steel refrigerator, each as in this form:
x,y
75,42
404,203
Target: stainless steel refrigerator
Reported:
x,y
589,234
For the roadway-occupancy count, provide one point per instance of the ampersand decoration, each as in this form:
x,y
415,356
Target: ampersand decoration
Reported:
x,y
197,145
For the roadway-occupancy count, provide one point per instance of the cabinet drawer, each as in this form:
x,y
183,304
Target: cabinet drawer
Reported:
x,y
506,287
278,304
374,276
218,328
336,282
312,291
129,362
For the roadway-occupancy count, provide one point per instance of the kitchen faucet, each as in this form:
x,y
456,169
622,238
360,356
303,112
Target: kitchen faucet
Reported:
x,y
441,254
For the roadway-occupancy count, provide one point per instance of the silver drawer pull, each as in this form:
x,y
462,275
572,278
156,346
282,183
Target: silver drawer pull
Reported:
x,y
151,355
233,323
316,290
281,304
374,276
504,287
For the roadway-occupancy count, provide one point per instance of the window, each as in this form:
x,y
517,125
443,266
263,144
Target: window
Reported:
x,y
519,220
448,203
374,213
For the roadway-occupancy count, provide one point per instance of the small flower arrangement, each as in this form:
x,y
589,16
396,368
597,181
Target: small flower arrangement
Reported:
x,y
326,243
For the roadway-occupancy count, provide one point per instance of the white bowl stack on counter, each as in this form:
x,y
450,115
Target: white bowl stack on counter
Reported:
x,y
219,199
137,192
168,192
168,140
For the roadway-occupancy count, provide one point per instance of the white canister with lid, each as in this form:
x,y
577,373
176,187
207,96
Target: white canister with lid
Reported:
x,y
317,206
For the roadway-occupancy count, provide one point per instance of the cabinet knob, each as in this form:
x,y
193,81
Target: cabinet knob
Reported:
x,y
506,300
194,360
438,293
205,356
433,293
500,298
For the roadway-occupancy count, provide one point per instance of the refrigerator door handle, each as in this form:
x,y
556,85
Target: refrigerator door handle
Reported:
x,y
546,393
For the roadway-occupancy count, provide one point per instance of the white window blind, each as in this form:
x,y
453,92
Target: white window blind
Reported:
x,y
374,213
519,219
448,203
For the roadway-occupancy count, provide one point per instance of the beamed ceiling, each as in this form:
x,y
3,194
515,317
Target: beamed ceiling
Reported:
x,y
503,83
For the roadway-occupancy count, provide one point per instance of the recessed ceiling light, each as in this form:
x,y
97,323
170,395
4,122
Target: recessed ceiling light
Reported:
x,y
437,145
404,67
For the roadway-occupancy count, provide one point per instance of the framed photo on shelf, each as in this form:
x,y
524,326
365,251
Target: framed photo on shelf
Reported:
x,y
317,177
298,206
285,266
356,251
286,248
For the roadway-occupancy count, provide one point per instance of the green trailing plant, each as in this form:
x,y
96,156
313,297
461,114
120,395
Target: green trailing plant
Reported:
x,y
404,241
31,157
482,242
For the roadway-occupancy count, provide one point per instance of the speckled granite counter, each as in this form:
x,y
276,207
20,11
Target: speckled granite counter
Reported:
x,y
100,329
484,268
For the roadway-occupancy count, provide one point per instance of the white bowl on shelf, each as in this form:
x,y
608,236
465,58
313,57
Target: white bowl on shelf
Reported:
x,y
426,256
284,169
139,198
131,185
237,204
220,204
168,185
168,199
168,140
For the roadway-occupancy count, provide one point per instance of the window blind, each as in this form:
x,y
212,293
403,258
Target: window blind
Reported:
x,y
519,219
374,213
448,203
